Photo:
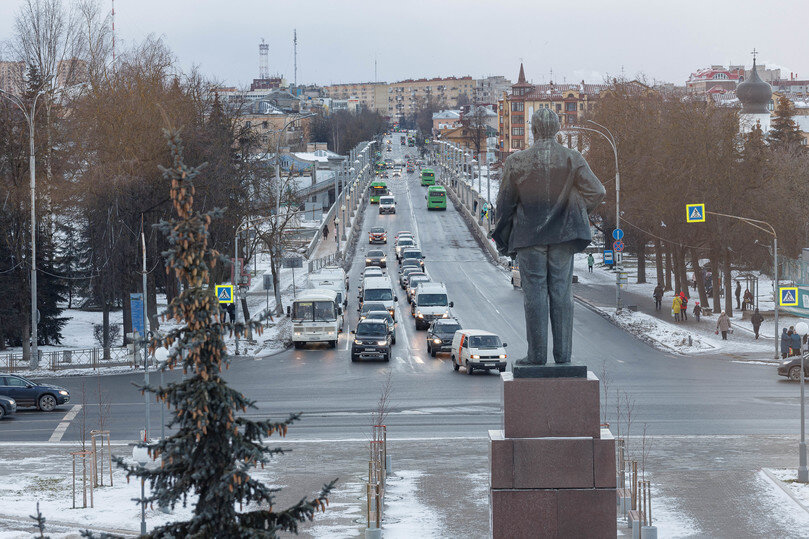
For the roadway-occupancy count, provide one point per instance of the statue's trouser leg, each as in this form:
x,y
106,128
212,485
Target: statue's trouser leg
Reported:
x,y
533,262
560,276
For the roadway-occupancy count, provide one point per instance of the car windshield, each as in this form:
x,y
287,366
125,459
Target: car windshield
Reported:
x,y
404,242
372,329
411,254
314,311
378,230
446,328
432,300
375,254
416,279
386,200
379,315
484,341
378,294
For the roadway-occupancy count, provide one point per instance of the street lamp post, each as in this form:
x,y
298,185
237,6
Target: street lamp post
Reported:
x,y
30,117
803,472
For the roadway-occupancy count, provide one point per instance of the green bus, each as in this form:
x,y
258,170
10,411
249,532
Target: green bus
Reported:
x,y
436,198
427,176
379,166
377,189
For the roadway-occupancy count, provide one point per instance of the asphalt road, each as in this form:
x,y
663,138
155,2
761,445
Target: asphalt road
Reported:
x,y
672,394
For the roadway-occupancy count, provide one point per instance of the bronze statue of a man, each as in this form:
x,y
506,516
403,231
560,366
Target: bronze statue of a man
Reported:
x,y
546,194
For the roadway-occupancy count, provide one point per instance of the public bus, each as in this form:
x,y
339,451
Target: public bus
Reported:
x,y
427,176
316,317
436,198
379,167
377,189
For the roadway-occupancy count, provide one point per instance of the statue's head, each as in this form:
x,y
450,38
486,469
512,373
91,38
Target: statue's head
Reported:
x,y
545,124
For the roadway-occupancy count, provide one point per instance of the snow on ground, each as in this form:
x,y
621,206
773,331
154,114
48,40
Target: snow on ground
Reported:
x,y
789,480
776,497
405,515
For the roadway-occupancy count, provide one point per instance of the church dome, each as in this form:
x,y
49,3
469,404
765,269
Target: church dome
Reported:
x,y
754,93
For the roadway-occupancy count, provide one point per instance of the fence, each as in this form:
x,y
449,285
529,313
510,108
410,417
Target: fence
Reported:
x,y
333,259
84,358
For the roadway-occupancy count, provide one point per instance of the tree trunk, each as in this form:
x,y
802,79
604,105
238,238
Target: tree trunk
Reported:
x,y
717,305
728,282
679,268
154,321
105,321
171,288
659,260
26,343
703,296
276,282
667,286
127,309
641,259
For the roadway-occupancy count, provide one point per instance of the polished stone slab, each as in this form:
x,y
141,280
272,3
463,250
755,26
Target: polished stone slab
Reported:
x,y
551,370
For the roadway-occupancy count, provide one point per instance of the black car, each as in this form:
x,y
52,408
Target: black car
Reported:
x,y
440,334
383,315
371,341
7,406
27,393
791,368
376,258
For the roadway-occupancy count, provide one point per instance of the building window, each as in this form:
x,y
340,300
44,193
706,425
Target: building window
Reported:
x,y
558,107
516,144
518,119
570,107
518,106
581,106
518,131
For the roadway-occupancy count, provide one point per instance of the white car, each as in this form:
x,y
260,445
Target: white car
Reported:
x,y
396,174
387,204
477,349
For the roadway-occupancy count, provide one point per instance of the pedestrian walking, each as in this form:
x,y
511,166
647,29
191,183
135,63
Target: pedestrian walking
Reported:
x,y
683,306
676,304
697,311
723,325
794,342
658,296
784,343
590,262
325,231
738,295
747,300
756,319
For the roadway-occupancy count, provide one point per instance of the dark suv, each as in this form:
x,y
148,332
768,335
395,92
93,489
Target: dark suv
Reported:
x,y
440,334
371,341
7,406
27,393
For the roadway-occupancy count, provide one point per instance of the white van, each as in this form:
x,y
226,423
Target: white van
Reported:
x,y
331,280
430,302
316,317
387,204
477,349
380,289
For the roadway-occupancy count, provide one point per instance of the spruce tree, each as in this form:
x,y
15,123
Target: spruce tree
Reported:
x,y
784,132
212,450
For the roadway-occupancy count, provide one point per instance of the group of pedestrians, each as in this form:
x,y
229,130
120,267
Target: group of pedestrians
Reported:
x,y
792,344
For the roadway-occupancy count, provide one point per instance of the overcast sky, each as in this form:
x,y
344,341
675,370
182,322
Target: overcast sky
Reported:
x,y
338,40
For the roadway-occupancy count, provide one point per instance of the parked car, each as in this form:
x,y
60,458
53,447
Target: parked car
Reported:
x,y
25,392
376,258
7,406
371,341
384,316
440,334
377,234
791,368
477,349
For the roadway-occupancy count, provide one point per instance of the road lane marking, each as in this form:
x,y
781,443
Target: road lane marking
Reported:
x,y
418,359
64,424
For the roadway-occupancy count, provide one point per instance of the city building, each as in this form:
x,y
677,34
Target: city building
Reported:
x,y
446,120
68,73
490,89
12,78
268,122
406,96
371,95
719,79
569,101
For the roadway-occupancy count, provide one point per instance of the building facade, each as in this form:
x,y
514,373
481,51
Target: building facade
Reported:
x,y
371,95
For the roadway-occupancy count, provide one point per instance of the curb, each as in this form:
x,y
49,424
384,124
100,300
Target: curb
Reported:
x,y
780,484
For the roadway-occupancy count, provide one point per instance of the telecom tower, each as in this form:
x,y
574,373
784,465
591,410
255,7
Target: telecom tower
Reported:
x,y
263,60
295,46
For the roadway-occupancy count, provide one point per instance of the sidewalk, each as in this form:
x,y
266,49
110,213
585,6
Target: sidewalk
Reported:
x,y
597,290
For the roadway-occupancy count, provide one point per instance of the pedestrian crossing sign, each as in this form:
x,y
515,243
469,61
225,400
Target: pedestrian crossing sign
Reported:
x,y
695,213
224,293
788,296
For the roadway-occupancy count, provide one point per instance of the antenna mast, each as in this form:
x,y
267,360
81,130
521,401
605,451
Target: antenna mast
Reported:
x,y
295,47
263,60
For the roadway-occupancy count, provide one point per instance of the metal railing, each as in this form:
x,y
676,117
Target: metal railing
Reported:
x,y
82,358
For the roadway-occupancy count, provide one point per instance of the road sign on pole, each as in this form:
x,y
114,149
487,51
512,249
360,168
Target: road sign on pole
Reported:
x,y
788,296
224,293
695,213
136,304
618,246
608,258
618,234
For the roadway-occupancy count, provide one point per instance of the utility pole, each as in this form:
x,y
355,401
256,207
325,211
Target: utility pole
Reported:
x,y
295,48
144,337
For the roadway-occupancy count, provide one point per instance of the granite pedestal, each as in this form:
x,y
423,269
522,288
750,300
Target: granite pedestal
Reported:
x,y
552,467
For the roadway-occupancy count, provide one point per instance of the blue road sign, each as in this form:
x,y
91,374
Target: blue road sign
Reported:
x,y
136,304
788,296
618,246
695,213
608,258
224,293
618,234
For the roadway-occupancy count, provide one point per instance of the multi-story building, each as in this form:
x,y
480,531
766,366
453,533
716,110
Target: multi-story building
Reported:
x,y
406,96
68,73
569,101
11,77
446,120
719,79
371,95
490,89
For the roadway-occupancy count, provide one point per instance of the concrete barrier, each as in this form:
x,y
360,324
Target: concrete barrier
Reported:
x,y
478,232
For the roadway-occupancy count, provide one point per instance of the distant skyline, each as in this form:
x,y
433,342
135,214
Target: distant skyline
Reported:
x,y
339,41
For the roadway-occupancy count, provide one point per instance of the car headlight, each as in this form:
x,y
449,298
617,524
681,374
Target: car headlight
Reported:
x,y
298,333
382,259
367,259
419,315
357,341
437,341
381,343
502,356
330,333
446,315
12,402
63,392
475,356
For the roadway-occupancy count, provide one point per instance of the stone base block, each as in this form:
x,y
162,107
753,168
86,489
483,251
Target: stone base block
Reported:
x,y
550,407
566,513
